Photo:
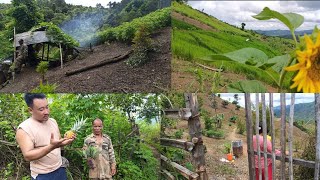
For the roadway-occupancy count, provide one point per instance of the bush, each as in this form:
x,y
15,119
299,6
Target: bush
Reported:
x,y
225,103
233,119
215,133
241,126
178,134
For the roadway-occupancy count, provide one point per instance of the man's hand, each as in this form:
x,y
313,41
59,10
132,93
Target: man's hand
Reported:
x,y
113,171
61,142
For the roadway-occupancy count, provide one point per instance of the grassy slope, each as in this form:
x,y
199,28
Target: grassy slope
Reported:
x,y
192,43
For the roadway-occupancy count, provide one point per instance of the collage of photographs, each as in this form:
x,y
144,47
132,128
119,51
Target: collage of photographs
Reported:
x,y
159,90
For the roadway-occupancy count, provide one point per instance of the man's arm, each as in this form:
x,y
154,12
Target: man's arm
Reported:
x,y
31,153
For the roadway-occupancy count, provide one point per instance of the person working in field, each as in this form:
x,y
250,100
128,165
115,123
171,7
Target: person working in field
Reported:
x,y
269,150
40,141
103,165
21,58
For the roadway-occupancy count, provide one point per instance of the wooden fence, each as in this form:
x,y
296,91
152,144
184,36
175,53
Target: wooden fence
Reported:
x,y
195,146
283,157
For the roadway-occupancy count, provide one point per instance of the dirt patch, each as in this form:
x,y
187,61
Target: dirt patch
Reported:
x,y
194,22
154,76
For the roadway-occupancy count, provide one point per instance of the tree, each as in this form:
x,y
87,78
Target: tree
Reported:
x,y
26,14
242,26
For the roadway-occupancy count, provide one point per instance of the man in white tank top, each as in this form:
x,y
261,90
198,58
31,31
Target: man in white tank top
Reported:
x,y
40,141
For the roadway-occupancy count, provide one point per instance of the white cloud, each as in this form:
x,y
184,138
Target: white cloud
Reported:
x,y
236,12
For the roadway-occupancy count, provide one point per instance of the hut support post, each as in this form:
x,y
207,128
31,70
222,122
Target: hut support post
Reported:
x,y
61,56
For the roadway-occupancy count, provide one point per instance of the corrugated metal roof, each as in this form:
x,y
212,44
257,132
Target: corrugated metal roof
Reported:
x,y
32,37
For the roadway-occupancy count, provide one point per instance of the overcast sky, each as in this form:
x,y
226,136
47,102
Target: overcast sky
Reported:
x,y
299,98
236,12
80,2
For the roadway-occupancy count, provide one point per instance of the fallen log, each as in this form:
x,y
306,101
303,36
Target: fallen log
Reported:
x,y
99,64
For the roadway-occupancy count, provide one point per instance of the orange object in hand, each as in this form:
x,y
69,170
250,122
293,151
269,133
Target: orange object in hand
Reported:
x,y
229,157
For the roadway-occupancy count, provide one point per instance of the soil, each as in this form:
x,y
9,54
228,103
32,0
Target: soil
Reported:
x,y
194,22
238,169
153,76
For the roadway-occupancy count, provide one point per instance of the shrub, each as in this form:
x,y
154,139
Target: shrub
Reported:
x,y
42,68
215,133
225,103
47,88
241,126
178,134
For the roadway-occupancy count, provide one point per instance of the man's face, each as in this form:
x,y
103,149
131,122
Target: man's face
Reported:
x,y
97,127
40,110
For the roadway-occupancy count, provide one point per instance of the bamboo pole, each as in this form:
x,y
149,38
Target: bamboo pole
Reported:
x,y
61,56
264,128
258,136
283,135
249,136
273,141
43,46
291,136
317,116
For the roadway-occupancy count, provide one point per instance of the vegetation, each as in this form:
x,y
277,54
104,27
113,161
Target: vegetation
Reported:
x,y
126,31
194,44
134,157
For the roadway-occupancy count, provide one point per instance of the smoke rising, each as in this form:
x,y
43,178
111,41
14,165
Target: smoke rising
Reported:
x,y
83,26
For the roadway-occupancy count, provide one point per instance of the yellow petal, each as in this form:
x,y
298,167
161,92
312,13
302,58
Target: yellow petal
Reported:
x,y
293,67
295,84
301,74
301,84
308,65
318,40
305,88
312,88
308,42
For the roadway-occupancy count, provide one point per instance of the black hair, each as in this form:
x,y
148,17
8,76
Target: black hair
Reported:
x,y
96,119
261,129
29,97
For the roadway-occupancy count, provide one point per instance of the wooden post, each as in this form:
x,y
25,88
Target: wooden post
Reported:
x,y
48,52
264,128
61,56
317,112
283,135
291,136
249,136
43,44
273,141
258,136
14,44
196,135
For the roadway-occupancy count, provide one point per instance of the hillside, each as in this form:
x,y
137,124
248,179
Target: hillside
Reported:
x,y
302,111
197,35
132,55
216,147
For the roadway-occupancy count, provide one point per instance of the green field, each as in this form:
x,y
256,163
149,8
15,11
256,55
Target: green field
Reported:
x,y
193,44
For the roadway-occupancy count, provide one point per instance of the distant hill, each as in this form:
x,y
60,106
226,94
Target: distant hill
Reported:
x,y
302,111
283,33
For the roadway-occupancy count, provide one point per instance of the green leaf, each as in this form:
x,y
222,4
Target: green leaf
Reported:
x,y
246,87
291,20
280,62
249,56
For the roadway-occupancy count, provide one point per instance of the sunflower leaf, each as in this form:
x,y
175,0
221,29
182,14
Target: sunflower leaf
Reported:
x,y
246,87
279,62
248,56
291,20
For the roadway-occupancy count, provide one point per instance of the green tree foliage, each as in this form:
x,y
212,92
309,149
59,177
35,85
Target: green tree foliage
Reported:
x,y
42,68
26,14
134,157
225,103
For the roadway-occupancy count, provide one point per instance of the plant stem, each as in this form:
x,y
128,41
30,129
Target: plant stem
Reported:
x,y
294,38
283,74
273,78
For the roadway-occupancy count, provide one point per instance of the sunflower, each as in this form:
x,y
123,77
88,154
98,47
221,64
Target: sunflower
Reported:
x,y
308,77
